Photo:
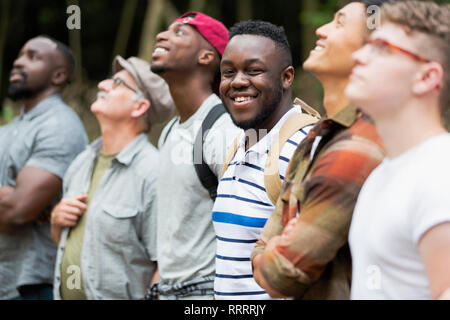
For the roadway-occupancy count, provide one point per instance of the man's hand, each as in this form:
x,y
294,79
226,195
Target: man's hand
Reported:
x,y
290,226
66,214
257,274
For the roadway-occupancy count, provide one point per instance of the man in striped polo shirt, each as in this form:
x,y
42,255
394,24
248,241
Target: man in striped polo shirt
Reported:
x,y
256,78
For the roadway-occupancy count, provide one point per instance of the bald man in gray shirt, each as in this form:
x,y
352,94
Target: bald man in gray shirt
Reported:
x,y
36,149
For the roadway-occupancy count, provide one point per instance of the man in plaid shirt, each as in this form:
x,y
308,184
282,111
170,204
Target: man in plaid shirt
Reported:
x,y
303,250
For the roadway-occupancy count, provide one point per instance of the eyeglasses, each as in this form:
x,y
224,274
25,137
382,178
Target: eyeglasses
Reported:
x,y
382,46
118,81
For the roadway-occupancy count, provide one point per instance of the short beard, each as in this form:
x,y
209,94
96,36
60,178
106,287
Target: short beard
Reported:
x,y
17,93
20,91
264,114
158,69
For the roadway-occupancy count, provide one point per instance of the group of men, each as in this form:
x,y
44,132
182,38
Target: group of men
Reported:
x,y
250,194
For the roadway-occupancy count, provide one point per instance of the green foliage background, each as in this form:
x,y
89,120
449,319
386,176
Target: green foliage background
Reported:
x,y
110,27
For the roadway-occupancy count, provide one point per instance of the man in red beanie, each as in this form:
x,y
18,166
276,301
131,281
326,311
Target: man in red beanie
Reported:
x,y
187,56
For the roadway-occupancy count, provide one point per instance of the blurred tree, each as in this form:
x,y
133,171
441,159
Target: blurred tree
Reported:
x,y
170,12
75,46
124,29
196,5
150,29
4,20
244,10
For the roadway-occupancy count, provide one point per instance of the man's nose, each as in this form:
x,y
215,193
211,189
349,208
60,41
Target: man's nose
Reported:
x,y
162,36
19,62
240,80
105,85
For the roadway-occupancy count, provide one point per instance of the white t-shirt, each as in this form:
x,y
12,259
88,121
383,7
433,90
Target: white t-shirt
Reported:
x,y
186,243
402,199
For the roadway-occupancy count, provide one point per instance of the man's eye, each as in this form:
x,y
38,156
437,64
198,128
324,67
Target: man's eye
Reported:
x,y
179,32
227,73
381,47
254,71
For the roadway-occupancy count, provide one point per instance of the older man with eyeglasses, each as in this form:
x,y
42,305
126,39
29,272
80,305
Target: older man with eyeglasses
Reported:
x,y
105,224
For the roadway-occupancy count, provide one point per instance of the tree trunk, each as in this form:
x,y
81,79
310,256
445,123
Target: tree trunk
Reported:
x,y
124,30
75,46
150,29
245,10
170,12
4,19
196,5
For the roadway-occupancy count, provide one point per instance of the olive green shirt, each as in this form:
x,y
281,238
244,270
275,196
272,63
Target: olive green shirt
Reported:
x,y
118,257
71,279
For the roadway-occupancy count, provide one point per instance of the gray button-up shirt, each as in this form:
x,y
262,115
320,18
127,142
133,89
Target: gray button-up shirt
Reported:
x,y
48,137
119,247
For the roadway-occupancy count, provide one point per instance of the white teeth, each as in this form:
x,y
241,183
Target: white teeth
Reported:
x,y
242,99
318,48
160,50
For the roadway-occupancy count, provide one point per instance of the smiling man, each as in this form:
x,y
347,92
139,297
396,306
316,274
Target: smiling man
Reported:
x,y
303,250
187,56
106,223
36,149
255,87
400,233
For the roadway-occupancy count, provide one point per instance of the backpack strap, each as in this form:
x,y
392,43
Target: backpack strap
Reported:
x,y
294,123
170,129
230,154
305,107
204,173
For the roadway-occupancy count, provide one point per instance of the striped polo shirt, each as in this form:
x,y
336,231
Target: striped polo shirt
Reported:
x,y
241,210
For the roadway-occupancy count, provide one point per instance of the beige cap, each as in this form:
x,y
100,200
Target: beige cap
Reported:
x,y
154,88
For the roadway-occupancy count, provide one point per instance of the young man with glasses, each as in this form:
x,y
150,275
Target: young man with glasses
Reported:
x,y
106,223
303,250
400,232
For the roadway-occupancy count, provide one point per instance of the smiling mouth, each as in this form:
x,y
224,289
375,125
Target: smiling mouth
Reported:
x,y
160,50
243,99
318,48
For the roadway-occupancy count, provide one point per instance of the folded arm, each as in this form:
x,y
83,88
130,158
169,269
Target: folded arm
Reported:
x,y
290,261
34,191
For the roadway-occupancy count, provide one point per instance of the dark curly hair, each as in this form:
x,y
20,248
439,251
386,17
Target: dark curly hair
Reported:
x,y
264,29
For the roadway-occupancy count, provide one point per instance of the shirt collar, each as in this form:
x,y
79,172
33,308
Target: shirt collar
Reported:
x,y
127,154
346,117
263,145
40,108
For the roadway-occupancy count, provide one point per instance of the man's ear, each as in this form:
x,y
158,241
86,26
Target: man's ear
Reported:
x,y
60,76
429,78
287,77
205,57
141,107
